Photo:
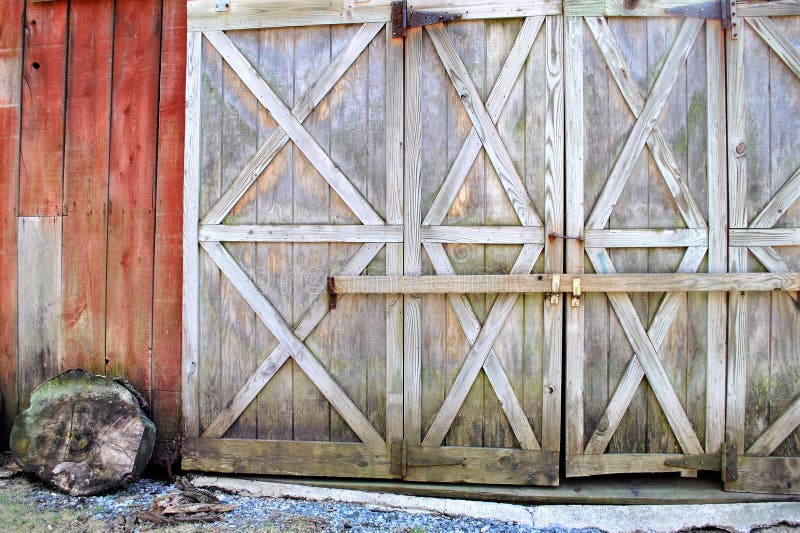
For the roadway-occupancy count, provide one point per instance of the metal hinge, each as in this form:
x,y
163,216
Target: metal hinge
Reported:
x,y
331,288
403,18
723,10
725,461
221,6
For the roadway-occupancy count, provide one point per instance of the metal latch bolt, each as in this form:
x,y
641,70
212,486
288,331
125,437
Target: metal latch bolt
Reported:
x,y
576,292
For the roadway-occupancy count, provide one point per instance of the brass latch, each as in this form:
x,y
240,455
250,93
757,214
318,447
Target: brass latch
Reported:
x,y
403,18
725,461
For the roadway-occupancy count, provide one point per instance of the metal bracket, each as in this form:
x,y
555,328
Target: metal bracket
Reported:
x,y
331,286
222,5
576,292
555,289
722,10
725,461
403,19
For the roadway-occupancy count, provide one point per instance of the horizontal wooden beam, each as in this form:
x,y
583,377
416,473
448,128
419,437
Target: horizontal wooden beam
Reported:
x,y
248,14
544,283
370,233
764,237
290,458
646,238
767,8
492,466
620,463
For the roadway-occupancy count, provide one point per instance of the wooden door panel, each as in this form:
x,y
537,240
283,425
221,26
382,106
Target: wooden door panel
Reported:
x,y
645,193
763,371
484,110
293,159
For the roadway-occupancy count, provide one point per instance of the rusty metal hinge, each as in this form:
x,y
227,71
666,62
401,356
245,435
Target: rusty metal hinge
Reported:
x,y
331,287
722,10
725,461
403,18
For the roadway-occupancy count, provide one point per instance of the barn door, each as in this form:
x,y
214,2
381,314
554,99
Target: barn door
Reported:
x,y
764,153
484,150
645,194
293,172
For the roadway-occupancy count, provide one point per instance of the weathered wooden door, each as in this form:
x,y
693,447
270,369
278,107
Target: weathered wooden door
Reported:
x,y
306,159
646,193
290,177
484,149
763,411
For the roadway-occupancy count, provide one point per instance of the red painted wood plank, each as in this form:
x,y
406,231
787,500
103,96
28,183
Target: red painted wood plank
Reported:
x,y
86,184
169,207
131,194
42,144
10,83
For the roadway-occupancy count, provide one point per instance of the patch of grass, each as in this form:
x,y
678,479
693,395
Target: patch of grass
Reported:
x,y
23,514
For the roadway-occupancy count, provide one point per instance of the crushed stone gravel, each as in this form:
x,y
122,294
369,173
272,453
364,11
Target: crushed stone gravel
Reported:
x,y
276,514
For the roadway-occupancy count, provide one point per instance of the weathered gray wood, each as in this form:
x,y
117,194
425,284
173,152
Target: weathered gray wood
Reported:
x,y
395,128
302,109
191,247
84,434
249,14
39,312
598,283
327,459
300,353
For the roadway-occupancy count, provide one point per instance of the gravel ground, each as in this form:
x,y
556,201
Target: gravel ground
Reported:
x,y
28,505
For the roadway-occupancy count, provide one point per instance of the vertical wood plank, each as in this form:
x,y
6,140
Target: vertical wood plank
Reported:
x,y
412,260
574,106
350,149
11,39
312,204
191,254
44,75
166,362
86,184
131,194
237,321
717,237
554,223
395,127
508,347
275,194
39,302
737,198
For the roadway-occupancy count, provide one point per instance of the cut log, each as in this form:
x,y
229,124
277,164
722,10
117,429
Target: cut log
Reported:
x,y
84,434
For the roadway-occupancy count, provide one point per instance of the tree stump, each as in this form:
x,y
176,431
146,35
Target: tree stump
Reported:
x,y
83,433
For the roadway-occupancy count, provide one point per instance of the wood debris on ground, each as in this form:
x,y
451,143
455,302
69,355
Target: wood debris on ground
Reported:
x,y
8,468
185,504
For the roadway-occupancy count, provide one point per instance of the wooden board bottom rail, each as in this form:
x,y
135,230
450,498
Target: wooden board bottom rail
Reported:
x,y
555,283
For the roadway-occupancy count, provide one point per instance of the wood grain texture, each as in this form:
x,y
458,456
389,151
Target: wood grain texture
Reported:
x,y
287,458
168,250
43,106
39,256
131,191
301,354
86,152
11,43
248,14
611,283
190,310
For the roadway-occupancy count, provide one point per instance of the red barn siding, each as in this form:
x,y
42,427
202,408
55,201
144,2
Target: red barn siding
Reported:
x,y
101,128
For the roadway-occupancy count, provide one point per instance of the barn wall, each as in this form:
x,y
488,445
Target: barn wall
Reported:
x,y
91,173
